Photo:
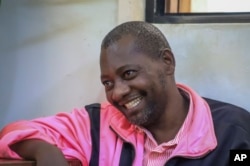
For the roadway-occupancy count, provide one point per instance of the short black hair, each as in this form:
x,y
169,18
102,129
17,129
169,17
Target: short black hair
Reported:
x,y
148,38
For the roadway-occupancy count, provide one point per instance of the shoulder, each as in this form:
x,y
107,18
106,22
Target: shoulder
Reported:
x,y
104,110
229,118
223,107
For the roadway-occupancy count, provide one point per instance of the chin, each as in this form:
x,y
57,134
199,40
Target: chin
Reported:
x,y
139,121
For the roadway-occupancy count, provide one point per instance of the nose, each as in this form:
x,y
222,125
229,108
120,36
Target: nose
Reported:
x,y
120,90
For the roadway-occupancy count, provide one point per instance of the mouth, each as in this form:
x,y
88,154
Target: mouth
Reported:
x,y
133,103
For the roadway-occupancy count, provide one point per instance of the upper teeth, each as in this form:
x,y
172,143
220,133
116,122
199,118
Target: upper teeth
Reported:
x,y
133,103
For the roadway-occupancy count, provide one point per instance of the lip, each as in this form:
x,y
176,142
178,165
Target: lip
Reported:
x,y
129,99
134,109
133,103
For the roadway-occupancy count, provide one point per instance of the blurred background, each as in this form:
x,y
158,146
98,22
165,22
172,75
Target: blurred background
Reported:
x,y
49,55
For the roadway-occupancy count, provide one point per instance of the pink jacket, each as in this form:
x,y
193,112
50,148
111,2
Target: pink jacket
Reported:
x,y
71,133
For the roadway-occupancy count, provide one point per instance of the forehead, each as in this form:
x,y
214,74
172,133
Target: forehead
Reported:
x,y
121,53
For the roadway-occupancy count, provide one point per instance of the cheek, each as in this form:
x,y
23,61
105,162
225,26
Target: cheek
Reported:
x,y
108,96
145,82
141,81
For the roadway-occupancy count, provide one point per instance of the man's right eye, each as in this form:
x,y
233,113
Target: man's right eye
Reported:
x,y
107,84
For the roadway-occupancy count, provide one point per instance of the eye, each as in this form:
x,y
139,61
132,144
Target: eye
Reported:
x,y
129,74
107,84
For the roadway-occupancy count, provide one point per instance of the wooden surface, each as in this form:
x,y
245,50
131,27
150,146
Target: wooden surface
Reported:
x,y
16,163
6,162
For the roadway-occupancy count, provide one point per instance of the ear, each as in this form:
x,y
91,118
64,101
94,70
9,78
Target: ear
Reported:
x,y
168,59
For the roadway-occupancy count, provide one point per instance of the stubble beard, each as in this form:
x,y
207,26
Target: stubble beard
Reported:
x,y
152,111
145,116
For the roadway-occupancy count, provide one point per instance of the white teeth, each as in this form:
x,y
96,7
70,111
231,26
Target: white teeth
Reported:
x,y
133,103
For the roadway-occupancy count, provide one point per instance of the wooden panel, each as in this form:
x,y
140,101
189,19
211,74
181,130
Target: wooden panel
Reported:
x,y
5,162
177,6
16,163
171,6
185,6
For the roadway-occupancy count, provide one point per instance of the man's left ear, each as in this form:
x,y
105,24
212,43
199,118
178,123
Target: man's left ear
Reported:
x,y
168,58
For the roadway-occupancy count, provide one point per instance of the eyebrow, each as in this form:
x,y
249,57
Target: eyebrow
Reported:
x,y
134,66
120,69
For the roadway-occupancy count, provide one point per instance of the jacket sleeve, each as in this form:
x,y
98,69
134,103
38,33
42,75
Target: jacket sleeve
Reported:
x,y
70,132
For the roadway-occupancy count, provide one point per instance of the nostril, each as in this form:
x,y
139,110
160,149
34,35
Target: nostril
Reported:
x,y
120,90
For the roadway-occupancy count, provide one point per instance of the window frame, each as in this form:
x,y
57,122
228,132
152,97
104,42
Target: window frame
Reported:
x,y
154,13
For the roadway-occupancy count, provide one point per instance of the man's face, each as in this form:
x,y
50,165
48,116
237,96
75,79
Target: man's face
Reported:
x,y
134,83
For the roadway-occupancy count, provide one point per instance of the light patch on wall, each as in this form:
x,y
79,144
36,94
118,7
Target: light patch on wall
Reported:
x,y
220,6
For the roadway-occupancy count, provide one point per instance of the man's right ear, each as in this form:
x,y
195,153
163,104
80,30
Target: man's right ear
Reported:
x,y
167,56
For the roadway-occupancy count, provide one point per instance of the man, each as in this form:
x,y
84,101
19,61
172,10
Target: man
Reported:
x,y
148,120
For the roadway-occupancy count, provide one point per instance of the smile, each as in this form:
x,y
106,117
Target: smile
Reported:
x,y
133,103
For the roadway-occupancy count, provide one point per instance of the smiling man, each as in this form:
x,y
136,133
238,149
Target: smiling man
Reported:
x,y
149,119
141,85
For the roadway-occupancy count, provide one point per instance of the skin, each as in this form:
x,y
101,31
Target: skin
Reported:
x,y
129,75
40,151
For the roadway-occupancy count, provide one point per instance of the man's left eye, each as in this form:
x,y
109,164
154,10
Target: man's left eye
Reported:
x,y
129,74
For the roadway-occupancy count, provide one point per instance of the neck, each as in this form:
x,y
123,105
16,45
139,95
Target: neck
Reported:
x,y
171,121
